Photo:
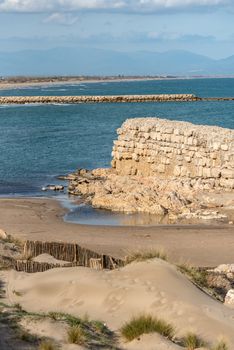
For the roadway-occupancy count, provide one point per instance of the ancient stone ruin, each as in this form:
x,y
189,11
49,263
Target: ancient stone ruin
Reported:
x,y
166,168
164,148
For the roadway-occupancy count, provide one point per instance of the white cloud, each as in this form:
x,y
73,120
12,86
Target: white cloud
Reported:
x,y
66,19
58,5
103,5
181,3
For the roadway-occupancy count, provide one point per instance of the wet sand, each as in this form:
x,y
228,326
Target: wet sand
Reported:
x,y
42,219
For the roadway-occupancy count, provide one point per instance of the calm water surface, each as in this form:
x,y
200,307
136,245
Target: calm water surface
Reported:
x,y
39,142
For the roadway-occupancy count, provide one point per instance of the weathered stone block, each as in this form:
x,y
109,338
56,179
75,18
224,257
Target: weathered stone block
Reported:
x,y
227,173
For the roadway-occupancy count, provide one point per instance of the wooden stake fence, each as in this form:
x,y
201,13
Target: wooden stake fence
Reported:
x,y
73,254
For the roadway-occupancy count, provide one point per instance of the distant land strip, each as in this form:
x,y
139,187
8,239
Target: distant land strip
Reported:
x,y
106,99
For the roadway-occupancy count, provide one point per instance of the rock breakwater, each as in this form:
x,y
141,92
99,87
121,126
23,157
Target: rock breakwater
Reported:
x,y
97,99
165,167
108,99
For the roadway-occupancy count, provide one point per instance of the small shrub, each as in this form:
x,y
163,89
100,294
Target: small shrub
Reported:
x,y
146,324
76,335
221,346
191,341
146,255
47,345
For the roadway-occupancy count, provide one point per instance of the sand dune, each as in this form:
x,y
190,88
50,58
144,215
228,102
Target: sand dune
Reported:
x,y
154,287
149,341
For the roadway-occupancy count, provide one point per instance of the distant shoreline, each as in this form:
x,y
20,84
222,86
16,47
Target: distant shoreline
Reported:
x,y
8,83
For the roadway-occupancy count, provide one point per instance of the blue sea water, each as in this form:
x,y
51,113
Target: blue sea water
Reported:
x,y
39,142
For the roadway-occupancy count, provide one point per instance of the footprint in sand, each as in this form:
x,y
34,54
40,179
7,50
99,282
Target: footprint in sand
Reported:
x,y
150,289
163,301
134,281
114,301
77,302
156,302
191,320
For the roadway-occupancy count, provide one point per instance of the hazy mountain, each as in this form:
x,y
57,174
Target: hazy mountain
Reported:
x,y
91,61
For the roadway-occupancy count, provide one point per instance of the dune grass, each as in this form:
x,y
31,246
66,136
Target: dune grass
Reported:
x,y
220,346
47,345
145,324
142,255
197,276
69,319
191,341
76,335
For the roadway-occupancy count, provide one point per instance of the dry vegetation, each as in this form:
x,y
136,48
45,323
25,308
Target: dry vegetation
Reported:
x,y
143,255
47,345
192,341
76,335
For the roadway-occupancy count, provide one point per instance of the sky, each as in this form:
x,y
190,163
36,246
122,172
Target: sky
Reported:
x,y
202,26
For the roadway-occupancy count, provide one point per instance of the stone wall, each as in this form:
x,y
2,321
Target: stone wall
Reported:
x,y
173,149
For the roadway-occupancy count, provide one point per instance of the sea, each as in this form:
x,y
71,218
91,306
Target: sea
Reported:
x,y
39,142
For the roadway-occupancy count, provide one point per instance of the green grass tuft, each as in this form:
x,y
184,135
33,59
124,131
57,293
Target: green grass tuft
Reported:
x,y
76,335
191,341
99,326
71,320
145,324
197,276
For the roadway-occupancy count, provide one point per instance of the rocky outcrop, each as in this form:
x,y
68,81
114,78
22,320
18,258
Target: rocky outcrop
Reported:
x,y
165,167
229,299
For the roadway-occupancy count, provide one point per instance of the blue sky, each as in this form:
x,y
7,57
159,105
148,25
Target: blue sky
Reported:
x,y
201,26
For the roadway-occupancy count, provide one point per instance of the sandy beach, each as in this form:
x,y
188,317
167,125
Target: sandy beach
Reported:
x,y
27,84
16,85
42,219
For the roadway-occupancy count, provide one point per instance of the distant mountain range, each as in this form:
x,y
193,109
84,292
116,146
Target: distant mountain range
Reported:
x,y
91,61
